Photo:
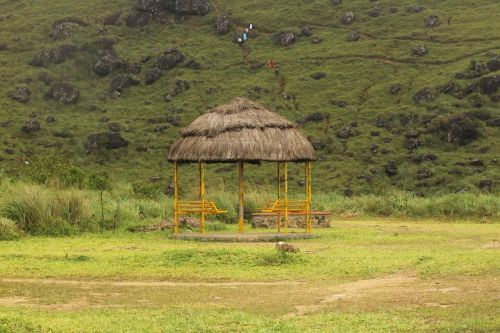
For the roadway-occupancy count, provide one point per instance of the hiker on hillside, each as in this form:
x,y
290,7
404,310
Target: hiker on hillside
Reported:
x,y
277,69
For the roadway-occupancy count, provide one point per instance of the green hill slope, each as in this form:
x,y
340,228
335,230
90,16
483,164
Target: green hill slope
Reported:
x,y
380,117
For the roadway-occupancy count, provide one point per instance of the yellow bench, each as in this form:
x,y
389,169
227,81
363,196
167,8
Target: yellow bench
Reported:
x,y
279,206
192,207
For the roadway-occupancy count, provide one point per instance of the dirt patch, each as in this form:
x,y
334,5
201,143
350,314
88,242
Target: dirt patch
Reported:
x,y
10,301
391,283
492,245
148,283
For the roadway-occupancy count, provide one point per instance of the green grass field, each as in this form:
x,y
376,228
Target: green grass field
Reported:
x,y
360,276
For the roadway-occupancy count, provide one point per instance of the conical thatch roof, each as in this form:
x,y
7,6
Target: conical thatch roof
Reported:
x,y
241,130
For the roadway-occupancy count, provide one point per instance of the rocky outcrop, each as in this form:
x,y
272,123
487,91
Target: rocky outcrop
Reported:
x,y
354,36
56,55
391,169
222,24
347,18
179,87
489,84
414,9
110,140
420,50
431,21
284,38
460,130
423,96
31,126
318,75
21,94
375,12
122,82
169,59
149,6
64,28
63,93
192,7
152,76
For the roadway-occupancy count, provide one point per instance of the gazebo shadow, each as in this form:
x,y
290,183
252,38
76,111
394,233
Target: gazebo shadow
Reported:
x,y
238,132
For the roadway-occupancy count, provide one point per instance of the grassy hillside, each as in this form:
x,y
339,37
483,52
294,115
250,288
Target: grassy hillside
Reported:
x,y
373,142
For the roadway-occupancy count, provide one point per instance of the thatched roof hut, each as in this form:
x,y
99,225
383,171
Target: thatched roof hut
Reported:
x,y
241,130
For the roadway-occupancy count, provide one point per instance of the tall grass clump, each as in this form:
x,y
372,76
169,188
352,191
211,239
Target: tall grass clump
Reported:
x,y
475,206
9,230
47,211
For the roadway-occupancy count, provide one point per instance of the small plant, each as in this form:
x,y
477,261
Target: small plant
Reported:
x,y
9,230
100,182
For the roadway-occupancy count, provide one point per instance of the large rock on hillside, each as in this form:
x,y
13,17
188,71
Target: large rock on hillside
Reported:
x,y
31,126
431,21
284,38
152,76
56,55
107,140
108,62
63,92
169,59
149,6
192,7
222,24
21,94
64,28
489,84
122,82
347,18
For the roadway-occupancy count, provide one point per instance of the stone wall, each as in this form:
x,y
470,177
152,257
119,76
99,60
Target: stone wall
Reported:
x,y
294,221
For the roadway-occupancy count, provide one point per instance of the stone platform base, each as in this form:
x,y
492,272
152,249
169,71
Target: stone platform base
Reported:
x,y
268,220
242,238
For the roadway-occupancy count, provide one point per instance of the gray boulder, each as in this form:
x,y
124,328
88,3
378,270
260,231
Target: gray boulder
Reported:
x,y
63,93
414,9
420,50
347,18
423,96
149,6
354,36
169,59
222,24
21,94
109,140
192,7
431,21
122,82
489,84
152,76
284,38
31,126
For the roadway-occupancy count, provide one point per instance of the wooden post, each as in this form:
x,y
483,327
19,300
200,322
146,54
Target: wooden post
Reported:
x,y
241,219
176,199
278,221
202,195
286,197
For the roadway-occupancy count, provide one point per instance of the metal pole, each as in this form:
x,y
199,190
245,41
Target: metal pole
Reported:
x,y
278,221
241,220
310,195
306,173
286,197
202,194
176,199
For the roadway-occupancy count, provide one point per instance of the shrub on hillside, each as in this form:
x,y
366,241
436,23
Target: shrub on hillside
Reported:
x,y
9,230
47,211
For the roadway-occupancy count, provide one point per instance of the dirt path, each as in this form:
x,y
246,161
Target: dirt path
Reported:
x,y
391,283
147,283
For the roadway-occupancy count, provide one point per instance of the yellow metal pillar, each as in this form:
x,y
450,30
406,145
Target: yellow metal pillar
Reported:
x,y
310,194
278,221
176,199
202,196
306,174
286,197
241,219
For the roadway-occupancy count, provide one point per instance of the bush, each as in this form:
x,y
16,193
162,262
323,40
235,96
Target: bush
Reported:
x,y
9,230
47,211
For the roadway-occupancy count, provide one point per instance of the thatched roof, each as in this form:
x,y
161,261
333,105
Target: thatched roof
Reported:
x,y
241,130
